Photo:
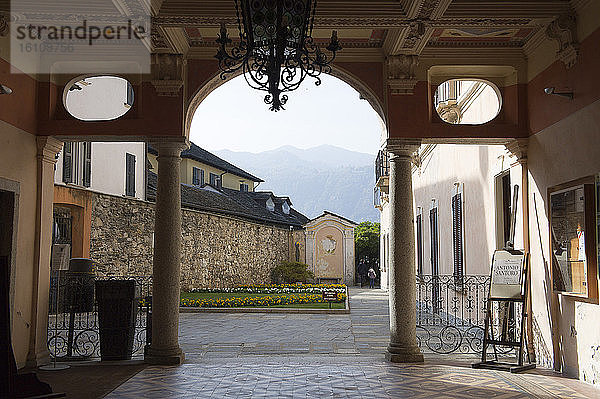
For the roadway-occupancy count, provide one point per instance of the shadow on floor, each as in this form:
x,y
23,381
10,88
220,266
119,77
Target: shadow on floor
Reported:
x,y
90,380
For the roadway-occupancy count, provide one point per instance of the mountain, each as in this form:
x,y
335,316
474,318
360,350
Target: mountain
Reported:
x,y
316,179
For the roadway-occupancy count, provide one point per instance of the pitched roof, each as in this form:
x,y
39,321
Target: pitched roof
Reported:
x,y
229,202
201,155
325,213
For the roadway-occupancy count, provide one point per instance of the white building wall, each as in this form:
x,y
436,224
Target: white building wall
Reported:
x,y
108,168
565,151
474,168
384,244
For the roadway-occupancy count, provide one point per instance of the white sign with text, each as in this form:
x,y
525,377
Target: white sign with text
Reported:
x,y
507,270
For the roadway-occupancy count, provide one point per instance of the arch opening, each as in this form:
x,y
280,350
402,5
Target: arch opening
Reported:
x,y
98,98
467,101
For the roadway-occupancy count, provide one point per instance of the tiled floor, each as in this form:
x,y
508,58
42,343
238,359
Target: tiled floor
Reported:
x,y
317,356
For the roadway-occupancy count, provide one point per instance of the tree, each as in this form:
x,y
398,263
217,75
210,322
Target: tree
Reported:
x,y
366,242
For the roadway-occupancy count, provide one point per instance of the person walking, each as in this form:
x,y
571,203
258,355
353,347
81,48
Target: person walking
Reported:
x,y
362,272
371,273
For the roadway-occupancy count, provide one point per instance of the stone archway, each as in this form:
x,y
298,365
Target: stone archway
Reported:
x,y
365,91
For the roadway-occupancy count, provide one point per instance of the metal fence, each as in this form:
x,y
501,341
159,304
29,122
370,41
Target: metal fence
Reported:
x,y
451,314
73,331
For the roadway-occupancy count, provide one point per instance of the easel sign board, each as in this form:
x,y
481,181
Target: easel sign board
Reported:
x,y
507,274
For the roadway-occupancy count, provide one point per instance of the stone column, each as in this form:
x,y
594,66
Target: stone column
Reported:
x,y
403,346
47,148
164,349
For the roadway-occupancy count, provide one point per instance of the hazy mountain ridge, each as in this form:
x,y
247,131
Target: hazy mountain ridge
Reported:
x,y
316,179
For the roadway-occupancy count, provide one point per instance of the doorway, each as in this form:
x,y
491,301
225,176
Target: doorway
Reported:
x,y
503,208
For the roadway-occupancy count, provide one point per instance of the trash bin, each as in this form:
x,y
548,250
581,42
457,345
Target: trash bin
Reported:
x,y
117,311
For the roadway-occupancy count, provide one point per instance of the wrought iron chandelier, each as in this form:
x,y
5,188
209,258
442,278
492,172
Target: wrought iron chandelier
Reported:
x,y
276,51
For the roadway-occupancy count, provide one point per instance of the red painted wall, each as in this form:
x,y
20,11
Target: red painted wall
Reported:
x,y
19,108
583,79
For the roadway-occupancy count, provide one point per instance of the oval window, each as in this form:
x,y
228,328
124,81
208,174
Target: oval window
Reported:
x,y
99,98
467,101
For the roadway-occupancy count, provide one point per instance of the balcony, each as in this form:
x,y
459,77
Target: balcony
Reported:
x,y
382,171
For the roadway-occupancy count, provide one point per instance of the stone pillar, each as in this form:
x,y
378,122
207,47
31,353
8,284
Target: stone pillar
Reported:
x,y
164,349
403,346
47,148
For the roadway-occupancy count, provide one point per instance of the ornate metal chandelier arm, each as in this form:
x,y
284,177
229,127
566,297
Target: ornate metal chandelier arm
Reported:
x,y
230,63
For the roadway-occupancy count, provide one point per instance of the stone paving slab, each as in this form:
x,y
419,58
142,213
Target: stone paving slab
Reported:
x,y
315,356
339,377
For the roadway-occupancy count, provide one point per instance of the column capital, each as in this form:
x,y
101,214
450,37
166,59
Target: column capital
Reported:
x,y
518,148
402,148
47,148
170,148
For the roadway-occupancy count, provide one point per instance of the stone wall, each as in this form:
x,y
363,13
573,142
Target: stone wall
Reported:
x,y
218,251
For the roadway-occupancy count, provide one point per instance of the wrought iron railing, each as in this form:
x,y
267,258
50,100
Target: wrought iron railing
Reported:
x,y
382,165
73,330
451,313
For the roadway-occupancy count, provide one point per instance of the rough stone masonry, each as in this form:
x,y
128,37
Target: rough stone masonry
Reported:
x,y
218,251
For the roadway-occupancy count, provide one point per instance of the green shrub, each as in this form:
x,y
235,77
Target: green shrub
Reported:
x,y
291,272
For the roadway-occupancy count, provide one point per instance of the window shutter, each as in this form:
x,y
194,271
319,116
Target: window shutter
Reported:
x,y
420,244
457,237
87,164
433,224
68,162
201,177
195,176
130,175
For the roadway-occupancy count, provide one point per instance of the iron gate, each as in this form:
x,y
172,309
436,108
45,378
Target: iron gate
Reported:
x,y
451,314
79,340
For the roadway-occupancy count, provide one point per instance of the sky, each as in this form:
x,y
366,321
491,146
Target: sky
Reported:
x,y
331,113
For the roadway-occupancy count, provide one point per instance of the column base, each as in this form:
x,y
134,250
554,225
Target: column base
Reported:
x,y
164,357
404,354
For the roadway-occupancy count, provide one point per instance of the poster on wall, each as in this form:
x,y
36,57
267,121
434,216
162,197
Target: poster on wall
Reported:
x,y
507,274
61,254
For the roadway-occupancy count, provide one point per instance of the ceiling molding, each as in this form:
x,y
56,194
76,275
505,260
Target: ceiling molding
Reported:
x,y
176,39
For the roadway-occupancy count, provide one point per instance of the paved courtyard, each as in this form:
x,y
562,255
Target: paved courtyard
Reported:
x,y
364,331
269,355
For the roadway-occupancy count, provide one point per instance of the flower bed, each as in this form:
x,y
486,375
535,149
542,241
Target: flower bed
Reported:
x,y
277,288
262,295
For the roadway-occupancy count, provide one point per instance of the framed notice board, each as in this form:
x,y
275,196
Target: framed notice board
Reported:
x,y
573,215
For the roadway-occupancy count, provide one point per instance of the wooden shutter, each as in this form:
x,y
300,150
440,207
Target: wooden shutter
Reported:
x,y
130,175
87,164
433,224
195,176
457,237
68,162
420,244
